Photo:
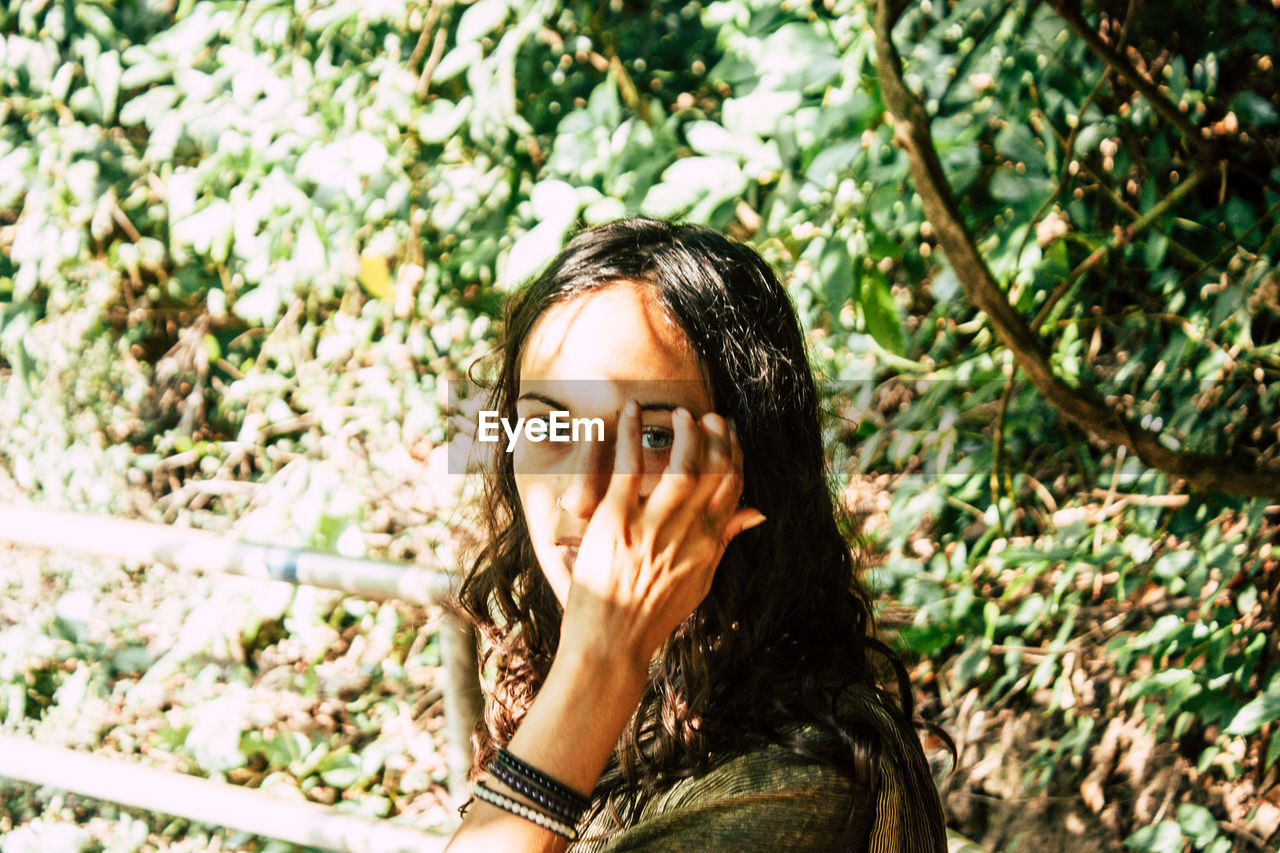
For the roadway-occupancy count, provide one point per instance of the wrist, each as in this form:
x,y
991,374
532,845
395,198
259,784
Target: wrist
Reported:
x,y
602,672
580,711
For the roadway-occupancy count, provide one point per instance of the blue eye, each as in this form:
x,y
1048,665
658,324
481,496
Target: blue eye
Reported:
x,y
655,438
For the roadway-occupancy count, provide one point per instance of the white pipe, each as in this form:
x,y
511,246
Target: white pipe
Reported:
x,y
145,542
206,801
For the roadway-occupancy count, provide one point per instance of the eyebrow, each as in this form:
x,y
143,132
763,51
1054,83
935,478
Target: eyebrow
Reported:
x,y
657,406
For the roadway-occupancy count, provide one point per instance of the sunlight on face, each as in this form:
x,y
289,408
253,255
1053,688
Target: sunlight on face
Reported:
x,y
588,356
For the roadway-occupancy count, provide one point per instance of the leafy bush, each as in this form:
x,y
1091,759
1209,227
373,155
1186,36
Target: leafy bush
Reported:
x,y
241,244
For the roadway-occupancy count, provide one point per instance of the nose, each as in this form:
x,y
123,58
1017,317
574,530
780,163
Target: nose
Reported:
x,y
584,485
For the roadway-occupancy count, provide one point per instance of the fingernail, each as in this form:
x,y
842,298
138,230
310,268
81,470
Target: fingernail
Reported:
x,y
632,409
682,412
756,522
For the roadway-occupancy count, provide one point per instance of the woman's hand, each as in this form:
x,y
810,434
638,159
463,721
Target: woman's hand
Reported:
x,y
645,563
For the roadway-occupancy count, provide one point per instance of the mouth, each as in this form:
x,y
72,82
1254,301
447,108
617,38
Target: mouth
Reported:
x,y
568,550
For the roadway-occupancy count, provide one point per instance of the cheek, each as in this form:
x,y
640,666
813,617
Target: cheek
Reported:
x,y
537,501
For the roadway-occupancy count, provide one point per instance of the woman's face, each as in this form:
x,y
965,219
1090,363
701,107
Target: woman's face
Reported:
x,y
588,356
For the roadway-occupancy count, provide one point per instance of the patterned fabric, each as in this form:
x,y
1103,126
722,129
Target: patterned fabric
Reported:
x,y
763,800
772,800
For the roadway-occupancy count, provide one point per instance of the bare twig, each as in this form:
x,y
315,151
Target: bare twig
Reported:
x,y
1171,501
1241,832
123,221
1109,498
424,37
437,47
997,464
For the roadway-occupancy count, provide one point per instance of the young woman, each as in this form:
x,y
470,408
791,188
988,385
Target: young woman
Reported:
x,y
682,643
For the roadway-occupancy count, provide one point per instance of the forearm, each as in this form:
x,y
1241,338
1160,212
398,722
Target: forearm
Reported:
x,y
568,733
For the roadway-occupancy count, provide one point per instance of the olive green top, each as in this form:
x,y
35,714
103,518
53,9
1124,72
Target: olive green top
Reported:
x,y
749,802
772,800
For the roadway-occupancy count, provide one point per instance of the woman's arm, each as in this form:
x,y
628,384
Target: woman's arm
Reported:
x,y
568,733
644,564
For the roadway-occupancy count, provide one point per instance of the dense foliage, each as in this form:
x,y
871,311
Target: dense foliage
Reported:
x,y
242,245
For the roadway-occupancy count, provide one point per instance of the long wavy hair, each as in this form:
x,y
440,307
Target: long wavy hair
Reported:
x,y
784,638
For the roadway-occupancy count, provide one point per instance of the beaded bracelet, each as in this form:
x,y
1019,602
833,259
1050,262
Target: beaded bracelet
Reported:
x,y
519,809
548,784
570,813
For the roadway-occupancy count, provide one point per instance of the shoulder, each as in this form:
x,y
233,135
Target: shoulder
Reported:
x,y
760,798
771,772
755,800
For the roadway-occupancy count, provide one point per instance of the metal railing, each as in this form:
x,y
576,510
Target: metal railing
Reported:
x,y
223,804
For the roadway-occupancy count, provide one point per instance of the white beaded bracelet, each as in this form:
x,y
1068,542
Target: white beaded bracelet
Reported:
x,y
519,809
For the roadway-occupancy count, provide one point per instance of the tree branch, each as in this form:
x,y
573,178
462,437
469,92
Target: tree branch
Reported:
x,y
1079,405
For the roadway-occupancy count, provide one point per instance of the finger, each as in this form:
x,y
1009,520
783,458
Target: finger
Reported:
x,y
735,446
678,481
717,463
628,460
717,449
714,492
742,520
686,450
728,488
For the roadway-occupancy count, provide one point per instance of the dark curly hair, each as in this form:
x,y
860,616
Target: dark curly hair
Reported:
x,y
784,639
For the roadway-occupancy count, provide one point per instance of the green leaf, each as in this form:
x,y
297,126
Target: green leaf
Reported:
x,y
703,182
798,56
1028,191
1163,837
1273,751
834,270
881,312
1254,109
149,107
1017,143
926,639
759,113
480,19
340,769
457,60
106,80
1197,822
833,161
442,119
1257,713
1157,245
1160,681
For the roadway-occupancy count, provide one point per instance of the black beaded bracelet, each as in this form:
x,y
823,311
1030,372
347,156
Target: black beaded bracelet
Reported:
x,y
519,809
570,813
550,785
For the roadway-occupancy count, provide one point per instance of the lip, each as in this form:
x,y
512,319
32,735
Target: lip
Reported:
x,y
568,550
